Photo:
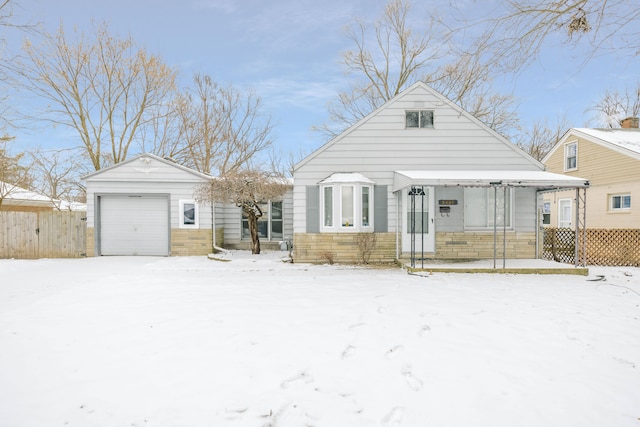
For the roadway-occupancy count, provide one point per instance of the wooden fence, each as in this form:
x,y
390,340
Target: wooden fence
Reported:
x,y
607,247
42,235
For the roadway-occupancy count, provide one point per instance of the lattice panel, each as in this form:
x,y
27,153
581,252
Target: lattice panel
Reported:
x,y
615,247
559,245
619,247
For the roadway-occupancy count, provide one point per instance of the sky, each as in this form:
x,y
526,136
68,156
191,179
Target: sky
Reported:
x,y
289,52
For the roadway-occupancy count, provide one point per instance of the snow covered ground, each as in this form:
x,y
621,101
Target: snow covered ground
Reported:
x,y
188,341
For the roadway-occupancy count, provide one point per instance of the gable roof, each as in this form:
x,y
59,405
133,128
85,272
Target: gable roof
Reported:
x,y
623,141
153,157
446,101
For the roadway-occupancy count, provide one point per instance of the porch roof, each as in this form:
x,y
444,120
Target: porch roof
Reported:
x,y
540,180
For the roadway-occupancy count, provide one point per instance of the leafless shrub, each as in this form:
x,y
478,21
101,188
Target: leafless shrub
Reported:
x,y
366,245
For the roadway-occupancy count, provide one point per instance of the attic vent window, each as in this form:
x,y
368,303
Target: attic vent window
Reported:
x,y
419,119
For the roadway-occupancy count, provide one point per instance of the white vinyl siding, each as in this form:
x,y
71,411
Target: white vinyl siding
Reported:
x,y
381,144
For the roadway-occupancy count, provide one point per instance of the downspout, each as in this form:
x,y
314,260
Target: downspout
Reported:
x,y
213,231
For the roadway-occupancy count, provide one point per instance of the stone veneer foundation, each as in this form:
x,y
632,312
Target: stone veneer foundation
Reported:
x,y
343,247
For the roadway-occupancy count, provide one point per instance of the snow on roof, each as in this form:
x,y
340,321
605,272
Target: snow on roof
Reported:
x,y
13,192
625,138
345,177
537,179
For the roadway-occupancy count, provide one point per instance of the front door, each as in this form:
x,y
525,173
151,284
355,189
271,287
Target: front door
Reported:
x,y
418,226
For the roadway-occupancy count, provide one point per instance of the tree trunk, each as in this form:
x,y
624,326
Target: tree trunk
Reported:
x,y
253,231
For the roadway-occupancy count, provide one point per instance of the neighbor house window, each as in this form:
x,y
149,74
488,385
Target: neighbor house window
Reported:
x,y
270,224
571,156
564,213
620,202
188,214
419,119
484,207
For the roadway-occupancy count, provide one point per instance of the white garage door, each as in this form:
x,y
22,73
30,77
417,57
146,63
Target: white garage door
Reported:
x,y
134,225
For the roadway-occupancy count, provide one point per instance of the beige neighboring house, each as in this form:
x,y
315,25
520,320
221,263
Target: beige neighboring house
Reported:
x,y
610,160
18,199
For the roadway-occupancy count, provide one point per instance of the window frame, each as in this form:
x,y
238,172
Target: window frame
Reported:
x,y
181,214
622,208
489,206
336,205
567,147
266,217
561,219
420,112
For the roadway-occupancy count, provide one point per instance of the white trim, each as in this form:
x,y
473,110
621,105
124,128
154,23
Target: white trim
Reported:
x,y
621,208
181,214
562,202
566,156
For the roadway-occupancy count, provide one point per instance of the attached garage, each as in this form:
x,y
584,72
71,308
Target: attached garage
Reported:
x,y
133,224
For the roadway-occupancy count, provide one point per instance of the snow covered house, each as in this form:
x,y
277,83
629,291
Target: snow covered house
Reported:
x,y
147,206
419,177
610,159
18,199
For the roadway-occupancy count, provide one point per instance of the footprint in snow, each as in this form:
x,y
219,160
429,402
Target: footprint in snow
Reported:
x,y
299,377
394,417
412,381
424,330
348,352
393,351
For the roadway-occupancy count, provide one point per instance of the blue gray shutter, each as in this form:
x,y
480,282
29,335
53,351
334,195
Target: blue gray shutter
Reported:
x,y
380,222
313,209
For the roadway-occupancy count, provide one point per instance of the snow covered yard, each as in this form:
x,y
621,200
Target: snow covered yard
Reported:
x,y
257,342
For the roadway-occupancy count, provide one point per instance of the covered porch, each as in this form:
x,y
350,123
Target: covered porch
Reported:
x,y
412,188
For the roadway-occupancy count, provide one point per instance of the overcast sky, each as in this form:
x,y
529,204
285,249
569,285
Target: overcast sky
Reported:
x,y
289,52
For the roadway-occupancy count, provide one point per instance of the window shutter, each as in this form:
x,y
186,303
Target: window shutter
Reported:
x,y
380,222
313,209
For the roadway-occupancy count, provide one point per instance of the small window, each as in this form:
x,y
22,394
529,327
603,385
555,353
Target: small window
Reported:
x,y
620,202
571,156
188,214
546,212
419,119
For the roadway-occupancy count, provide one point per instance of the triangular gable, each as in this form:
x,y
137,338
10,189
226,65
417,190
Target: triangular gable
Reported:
x,y
146,167
622,141
441,98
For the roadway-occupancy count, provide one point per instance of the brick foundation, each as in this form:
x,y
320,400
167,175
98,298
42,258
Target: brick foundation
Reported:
x,y
342,248
479,245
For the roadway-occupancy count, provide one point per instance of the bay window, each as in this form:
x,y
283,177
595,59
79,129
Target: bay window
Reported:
x,y
349,198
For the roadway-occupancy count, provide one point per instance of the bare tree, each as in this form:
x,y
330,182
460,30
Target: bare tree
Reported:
x,y
57,175
104,88
396,56
14,173
246,189
542,136
616,106
519,30
222,127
